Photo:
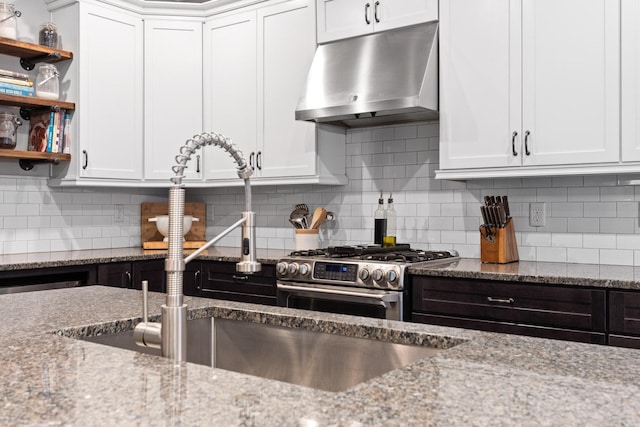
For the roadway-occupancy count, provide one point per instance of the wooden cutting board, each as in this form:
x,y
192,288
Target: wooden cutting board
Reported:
x,y
151,237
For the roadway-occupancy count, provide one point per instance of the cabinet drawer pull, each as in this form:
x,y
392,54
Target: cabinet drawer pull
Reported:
x,y
526,143
129,282
501,300
375,11
85,156
366,13
240,277
259,160
251,156
513,143
198,163
198,279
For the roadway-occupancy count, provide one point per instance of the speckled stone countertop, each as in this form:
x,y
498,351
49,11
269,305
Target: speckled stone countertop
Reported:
x,y
100,256
486,379
556,273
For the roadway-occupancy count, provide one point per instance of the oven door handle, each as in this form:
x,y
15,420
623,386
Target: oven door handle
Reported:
x,y
340,295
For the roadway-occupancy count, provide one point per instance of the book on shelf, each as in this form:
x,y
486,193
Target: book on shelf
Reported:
x,y
16,82
24,91
14,74
48,131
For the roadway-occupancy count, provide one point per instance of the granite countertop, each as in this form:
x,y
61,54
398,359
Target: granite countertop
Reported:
x,y
486,379
556,273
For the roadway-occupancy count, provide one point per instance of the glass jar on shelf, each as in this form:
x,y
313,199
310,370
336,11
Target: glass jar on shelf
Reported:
x,y
48,35
8,20
9,123
47,83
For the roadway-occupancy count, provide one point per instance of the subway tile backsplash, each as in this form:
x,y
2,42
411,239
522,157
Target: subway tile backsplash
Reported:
x,y
589,219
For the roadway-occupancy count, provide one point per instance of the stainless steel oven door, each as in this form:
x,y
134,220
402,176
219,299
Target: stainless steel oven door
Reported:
x,y
377,303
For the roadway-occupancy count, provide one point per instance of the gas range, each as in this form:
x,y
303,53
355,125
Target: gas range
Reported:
x,y
360,266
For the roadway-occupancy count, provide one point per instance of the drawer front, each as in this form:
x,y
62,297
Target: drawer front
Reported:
x,y
510,328
624,341
541,305
223,277
624,312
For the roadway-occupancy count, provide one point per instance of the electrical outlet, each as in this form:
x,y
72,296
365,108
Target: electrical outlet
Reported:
x,y
118,215
536,214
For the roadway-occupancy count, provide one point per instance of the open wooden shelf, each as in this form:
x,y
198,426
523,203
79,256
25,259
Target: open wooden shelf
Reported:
x,y
29,50
33,103
33,155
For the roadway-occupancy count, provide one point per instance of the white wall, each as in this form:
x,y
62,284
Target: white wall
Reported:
x,y
589,219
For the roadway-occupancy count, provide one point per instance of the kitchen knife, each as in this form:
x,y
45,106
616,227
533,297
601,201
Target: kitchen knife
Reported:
x,y
487,201
483,212
505,203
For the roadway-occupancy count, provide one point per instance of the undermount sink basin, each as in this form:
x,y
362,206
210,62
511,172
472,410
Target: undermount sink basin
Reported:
x,y
312,359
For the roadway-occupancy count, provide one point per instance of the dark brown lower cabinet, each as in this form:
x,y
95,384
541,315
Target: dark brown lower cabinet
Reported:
x,y
131,274
565,313
624,319
220,280
14,281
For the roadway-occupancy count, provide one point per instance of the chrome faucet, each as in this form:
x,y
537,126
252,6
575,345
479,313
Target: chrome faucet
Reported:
x,y
171,334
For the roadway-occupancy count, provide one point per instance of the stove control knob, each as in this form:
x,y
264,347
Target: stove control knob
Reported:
x,y
305,269
281,268
378,275
392,276
364,274
293,268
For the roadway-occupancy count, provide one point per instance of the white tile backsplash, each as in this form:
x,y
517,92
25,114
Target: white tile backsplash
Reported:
x,y
590,219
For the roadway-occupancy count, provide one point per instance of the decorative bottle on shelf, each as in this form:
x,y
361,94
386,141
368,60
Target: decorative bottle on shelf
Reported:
x,y
390,236
380,220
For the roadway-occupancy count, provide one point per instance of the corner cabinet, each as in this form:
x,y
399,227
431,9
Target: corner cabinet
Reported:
x,y
255,67
540,90
30,55
107,78
339,19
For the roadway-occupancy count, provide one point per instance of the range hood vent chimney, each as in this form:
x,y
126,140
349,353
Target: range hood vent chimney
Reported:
x,y
376,79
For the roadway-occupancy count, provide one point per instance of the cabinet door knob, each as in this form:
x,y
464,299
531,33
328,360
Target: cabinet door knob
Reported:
x,y
526,143
366,13
85,156
259,160
375,11
513,143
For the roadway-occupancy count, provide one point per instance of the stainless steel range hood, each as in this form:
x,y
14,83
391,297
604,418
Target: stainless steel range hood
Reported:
x,y
384,78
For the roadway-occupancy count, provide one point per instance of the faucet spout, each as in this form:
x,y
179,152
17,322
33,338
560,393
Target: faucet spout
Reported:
x,y
172,331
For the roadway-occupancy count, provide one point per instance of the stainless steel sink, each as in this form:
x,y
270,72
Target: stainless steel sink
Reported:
x,y
312,359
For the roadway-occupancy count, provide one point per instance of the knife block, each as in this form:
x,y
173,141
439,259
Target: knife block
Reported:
x,y
503,249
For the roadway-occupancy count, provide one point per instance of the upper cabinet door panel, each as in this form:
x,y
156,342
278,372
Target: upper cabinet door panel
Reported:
x,y
339,19
173,93
389,14
111,105
630,15
479,83
571,69
230,69
287,146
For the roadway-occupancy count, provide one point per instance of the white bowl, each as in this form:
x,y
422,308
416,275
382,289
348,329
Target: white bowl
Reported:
x,y
162,222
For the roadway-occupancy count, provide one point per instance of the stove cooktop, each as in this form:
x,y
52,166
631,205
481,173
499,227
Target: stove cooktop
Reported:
x,y
400,253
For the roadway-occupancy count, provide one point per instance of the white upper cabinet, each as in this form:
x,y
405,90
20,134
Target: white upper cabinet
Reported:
x,y
230,87
255,67
286,147
339,19
172,94
527,85
630,60
106,78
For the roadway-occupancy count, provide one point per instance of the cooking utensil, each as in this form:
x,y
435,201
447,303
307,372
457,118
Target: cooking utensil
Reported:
x,y
319,216
298,216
